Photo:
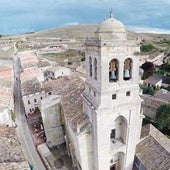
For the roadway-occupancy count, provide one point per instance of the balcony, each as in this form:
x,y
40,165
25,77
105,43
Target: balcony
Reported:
x,y
117,145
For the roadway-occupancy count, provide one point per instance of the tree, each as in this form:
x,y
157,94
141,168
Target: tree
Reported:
x,y
148,68
166,66
163,117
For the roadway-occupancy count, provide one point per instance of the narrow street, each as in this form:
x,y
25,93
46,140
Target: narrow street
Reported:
x,y
22,128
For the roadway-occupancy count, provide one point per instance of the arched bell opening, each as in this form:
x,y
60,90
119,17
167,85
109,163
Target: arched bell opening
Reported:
x,y
113,70
127,73
90,66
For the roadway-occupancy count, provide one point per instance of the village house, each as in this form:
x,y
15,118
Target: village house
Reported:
x,y
153,81
56,72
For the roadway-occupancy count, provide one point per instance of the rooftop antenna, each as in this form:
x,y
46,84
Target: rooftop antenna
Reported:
x,y
111,13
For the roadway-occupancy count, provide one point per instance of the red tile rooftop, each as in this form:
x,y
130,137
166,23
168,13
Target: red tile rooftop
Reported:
x,y
163,95
30,72
28,59
153,79
6,74
11,155
5,97
154,149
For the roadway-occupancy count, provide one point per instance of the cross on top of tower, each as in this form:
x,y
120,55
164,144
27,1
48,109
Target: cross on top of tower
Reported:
x,y
111,13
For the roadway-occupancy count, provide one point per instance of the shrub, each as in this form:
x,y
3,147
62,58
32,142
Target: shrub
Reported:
x,y
83,58
70,63
147,48
163,116
13,116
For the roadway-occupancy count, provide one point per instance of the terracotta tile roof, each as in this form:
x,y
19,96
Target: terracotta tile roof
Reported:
x,y
30,72
5,97
6,78
154,149
11,156
6,74
31,86
28,59
15,166
70,88
153,79
163,95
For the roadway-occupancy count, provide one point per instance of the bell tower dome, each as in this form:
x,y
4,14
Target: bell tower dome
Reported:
x,y
111,98
111,28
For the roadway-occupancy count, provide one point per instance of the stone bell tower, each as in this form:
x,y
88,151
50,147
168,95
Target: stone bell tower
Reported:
x,y
111,98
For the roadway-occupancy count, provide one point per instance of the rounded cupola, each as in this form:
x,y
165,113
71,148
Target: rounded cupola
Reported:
x,y
111,25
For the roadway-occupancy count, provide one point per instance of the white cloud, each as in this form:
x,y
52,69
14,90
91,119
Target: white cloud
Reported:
x,y
139,29
71,23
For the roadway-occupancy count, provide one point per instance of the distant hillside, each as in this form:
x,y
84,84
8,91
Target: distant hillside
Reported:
x,y
153,44
88,30
68,32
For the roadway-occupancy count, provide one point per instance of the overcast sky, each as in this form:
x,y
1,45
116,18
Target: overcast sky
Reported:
x,y
19,16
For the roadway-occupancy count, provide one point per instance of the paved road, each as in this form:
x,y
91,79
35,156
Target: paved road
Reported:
x,y
22,129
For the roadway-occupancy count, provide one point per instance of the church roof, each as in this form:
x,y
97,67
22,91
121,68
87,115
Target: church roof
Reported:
x,y
70,88
111,25
154,149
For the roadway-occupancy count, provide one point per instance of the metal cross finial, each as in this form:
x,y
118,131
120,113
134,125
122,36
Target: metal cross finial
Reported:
x,y
111,13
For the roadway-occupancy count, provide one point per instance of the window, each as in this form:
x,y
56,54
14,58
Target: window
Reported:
x,y
28,102
113,70
128,93
30,110
113,167
94,94
49,93
41,98
114,96
112,134
95,68
90,65
35,100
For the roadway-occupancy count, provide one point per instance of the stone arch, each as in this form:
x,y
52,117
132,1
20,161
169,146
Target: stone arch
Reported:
x,y
117,161
90,66
113,70
127,72
119,129
95,68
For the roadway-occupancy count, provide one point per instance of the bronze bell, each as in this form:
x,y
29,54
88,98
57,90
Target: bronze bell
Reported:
x,y
126,74
112,75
